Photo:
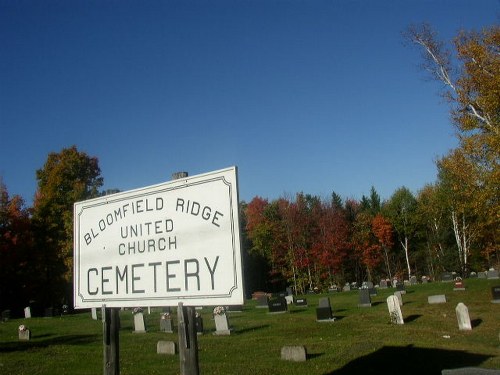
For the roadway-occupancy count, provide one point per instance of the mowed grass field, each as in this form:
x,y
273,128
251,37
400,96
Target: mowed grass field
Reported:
x,y
361,340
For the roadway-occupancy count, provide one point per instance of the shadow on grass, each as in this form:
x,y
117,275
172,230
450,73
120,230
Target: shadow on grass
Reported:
x,y
476,322
35,343
392,360
411,318
251,329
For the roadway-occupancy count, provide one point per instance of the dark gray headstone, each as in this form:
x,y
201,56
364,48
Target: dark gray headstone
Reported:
x,y
400,287
5,315
262,301
277,305
324,302
492,274
447,276
289,291
364,298
413,280
383,284
495,294
324,310
198,321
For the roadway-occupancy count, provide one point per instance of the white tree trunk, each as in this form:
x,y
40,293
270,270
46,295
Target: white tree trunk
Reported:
x,y
405,247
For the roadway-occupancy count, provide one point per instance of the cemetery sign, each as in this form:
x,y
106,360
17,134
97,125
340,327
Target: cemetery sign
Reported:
x,y
160,245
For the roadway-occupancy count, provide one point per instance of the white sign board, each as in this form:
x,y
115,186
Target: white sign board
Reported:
x,y
160,245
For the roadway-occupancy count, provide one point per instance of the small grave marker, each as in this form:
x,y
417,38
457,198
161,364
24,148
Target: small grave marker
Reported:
x,y
277,305
440,298
93,313
492,274
165,347
221,321
139,325
262,301
463,318
294,353
24,333
324,311
27,312
459,284
395,310
198,324
495,294
166,323
364,298
383,284
447,276
300,302
346,288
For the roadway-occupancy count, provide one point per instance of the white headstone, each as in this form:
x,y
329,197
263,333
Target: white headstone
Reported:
x,y
165,347
294,353
221,325
139,326
27,312
395,310
463,318
94,313
440,298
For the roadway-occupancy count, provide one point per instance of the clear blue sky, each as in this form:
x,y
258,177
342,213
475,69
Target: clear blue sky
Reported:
x,y
311,96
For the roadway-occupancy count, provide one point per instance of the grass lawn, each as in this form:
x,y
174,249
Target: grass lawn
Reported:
x,y
361,340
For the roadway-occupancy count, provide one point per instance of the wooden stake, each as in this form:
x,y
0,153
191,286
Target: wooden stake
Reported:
x,y
188,340
111,340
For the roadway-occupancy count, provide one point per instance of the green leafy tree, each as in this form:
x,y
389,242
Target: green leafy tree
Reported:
x,y
67,177
400,209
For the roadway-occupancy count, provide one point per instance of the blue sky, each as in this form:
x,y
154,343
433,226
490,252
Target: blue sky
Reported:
x,y
311,96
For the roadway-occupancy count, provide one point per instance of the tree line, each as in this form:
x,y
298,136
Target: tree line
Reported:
x,y
305,241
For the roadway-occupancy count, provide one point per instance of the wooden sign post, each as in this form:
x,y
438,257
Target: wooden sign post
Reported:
x,y
111,340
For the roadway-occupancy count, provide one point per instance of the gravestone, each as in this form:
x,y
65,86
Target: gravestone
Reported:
x,y
262,301
440,298
399,296
372,291
492,274
425,279
346,288
165,347
459,284
400,287
473,275
24,333
413,280
394,283
383,284
166,323
294,353
447,276
289,291
482,275
93,313
367,285
495,294
324,311
221,325
5,315
364,298
27,312
395,310
198,321
300,302
463,318
139,325
289,299
277,305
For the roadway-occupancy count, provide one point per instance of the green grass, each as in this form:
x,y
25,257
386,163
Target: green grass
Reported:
x,y
361,340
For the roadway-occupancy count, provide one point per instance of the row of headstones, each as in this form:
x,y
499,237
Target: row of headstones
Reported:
x,y
49,313
167,324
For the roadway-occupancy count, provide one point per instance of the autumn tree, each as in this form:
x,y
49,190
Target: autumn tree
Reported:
x,y
471,81
67,177
17,263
